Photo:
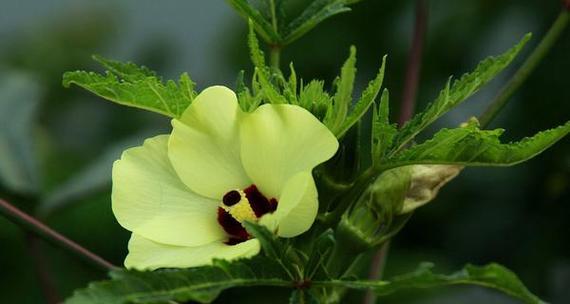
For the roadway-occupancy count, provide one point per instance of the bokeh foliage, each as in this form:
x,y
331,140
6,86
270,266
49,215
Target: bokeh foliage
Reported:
x,y
516,218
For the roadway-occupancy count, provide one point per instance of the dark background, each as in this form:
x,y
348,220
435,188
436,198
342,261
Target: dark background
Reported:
x,y
515,216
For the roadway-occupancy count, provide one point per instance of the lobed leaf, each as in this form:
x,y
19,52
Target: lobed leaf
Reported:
x,y
127,84
492,276
201,284
453,94
471,146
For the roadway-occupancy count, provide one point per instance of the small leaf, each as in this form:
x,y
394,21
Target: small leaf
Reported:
x,y
470,146
268,240
19,102
365,101
137,87
272,246
315,13
201,284
320,251
255,52
262,26
492,276
343,96
314,98
453,94
269,91
383,132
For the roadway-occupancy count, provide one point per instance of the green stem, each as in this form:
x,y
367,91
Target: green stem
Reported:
x,y
273,15
36,227
528,66
275,57
275,50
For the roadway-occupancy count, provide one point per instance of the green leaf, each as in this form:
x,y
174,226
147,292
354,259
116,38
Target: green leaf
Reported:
x,y
255,52
127,84
262,26
19,103
321,248
314,98
201,284
315,13
269,241
453,94
383,132
272,246
269,91
492,276
127,71
471,146
366,100
343,96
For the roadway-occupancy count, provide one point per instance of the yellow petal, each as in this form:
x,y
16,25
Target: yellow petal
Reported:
x,y
145,254
204,145
279,141
150,200
297,208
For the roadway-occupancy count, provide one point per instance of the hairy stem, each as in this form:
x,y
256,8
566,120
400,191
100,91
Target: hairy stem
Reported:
x,y
526,69
406,112
36,227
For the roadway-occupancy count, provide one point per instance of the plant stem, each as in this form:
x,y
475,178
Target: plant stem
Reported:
x,y
42,270
275,57
377,268
275,50
406,112
414,63
528,66
36,227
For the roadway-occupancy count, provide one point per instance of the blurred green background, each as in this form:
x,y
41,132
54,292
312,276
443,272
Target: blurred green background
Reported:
x,y
515,216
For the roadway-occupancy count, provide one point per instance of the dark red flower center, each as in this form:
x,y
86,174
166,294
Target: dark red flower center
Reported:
x,y
238,206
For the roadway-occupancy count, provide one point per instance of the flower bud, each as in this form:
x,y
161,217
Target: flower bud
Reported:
x,y
375,215
426,180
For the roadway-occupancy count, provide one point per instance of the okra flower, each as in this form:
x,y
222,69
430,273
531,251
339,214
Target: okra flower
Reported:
x,y
184,196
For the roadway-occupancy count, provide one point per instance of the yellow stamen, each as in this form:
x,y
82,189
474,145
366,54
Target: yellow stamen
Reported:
x,y
241,211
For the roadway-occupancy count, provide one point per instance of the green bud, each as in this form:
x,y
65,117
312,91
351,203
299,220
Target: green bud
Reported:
x,y
370,221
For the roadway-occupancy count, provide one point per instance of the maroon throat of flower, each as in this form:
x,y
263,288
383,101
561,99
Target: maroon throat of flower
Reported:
x,y
238,206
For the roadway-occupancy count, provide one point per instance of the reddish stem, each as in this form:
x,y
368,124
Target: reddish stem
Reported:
x,y
406,112
38,228
414,63
42,270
